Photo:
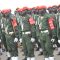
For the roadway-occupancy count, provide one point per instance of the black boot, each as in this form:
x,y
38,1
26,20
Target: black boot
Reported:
x,y
58,53
24,59
0,53
9,58
41,53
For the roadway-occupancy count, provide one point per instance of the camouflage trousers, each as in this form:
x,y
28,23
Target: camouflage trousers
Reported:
x,y
27,45
4,41
46,44
11,45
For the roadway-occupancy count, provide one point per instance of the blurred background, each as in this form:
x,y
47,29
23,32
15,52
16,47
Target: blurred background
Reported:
x,y
13,4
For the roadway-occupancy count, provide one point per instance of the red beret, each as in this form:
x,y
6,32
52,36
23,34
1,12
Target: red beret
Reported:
x,y
24,8
19,10
42,7
29,8
4,11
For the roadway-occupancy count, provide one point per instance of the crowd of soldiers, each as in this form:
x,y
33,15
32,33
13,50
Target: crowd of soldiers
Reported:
x,y
38,25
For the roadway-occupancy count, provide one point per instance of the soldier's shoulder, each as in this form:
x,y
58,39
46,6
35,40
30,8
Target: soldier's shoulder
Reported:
x,y
47,15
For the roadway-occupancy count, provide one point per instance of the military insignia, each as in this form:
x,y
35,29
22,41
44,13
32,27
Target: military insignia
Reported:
x,y
31,21
50,22
14,22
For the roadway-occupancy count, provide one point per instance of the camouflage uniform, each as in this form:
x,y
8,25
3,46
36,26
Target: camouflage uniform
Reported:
x,y
11,39
26,35
45,28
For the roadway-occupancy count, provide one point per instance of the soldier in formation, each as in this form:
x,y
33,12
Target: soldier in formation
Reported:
x,y
26,25
9,36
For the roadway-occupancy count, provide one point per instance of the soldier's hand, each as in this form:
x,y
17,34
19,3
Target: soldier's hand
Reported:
x,y
20,40
1,25
16,40
32,40
11,33
59,41
52,40
0,40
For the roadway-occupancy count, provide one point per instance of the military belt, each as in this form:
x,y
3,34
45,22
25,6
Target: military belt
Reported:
x,y
28,32
45,31
10,33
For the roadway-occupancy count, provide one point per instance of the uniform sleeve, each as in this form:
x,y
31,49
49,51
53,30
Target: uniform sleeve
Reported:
x,y
52,26
18,28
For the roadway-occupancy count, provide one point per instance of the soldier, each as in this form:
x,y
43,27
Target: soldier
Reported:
x,y
46,25
0,34
27,33
53,11
11,39
58,29
36,16
19,20
2,21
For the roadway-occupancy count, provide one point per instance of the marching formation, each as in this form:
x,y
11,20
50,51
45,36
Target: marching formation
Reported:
x,y
38,26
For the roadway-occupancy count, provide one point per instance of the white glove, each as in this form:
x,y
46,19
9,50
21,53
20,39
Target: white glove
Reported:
x,y
0,40
11,33
1,25
52,40
59,41
20,40
16,40
32,39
